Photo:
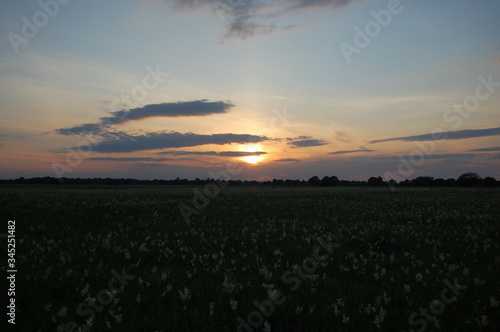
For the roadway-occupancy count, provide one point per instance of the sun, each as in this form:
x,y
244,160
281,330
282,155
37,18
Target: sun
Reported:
x,y
251,159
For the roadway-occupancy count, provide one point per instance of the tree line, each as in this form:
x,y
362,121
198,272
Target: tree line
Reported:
x,y
465,180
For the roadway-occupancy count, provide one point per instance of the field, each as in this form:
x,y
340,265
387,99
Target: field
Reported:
x,y
254,258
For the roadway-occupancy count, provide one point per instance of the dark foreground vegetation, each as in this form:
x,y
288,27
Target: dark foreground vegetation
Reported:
x,y
254,258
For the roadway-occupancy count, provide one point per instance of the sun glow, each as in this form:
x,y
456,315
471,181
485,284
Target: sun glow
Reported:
x,y
251,159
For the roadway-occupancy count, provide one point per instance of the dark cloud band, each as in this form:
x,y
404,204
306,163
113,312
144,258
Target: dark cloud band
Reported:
x,y
123,142
449,135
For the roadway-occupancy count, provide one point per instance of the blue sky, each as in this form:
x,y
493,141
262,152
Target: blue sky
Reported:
x,y
262,84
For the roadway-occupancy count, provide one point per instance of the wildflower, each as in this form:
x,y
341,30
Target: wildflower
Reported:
x,y
494,302
407,288
62,312
185,295
212,308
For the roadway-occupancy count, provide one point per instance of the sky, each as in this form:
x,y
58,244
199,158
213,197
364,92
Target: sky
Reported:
x,y
270,88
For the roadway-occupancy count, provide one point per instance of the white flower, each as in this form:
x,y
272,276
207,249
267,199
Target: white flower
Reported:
x,y
212,308
273,294
89,322
418,277
267,327
345,318
62,312
407,288
298,309
138,298
234,304
494,302
185,295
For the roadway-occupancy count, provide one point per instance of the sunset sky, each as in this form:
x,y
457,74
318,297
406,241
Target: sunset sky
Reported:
x,y
284,89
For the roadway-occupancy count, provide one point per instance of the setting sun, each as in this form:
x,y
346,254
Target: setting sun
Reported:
x,y
251,159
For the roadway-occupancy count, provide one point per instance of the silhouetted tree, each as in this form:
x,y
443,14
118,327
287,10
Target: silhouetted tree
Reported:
x,y
490,182
329,181
314,181
469,180
376,181
423,181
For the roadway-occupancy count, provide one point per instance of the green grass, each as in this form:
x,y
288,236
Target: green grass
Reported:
x,y
68,237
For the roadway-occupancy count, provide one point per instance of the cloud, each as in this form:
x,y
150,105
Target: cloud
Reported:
x,y
123,142
287,160
249,18
460,134
134,159
446,156
430,156
213,153
88,128
494,148
352,151
305,141
201,107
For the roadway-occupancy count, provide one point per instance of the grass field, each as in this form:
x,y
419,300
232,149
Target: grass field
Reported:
x,y
254,259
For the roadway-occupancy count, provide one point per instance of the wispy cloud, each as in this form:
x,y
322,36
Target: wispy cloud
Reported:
x,y
201,107
285,160
213,153
87,129
494,148
123,142
431,156
132,159
249,18
449,135
352,151
305,141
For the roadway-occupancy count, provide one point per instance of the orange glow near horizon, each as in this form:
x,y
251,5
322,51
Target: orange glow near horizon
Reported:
x,y
251,159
